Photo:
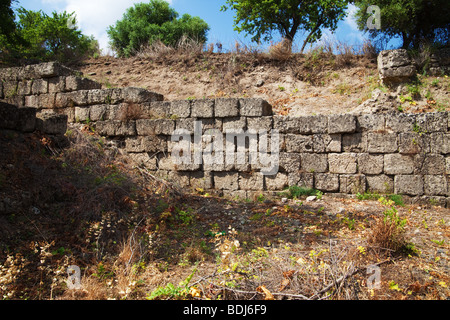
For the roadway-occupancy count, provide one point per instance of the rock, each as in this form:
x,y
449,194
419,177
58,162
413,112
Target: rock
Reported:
x,y
311,198
284,200
395,66
259,83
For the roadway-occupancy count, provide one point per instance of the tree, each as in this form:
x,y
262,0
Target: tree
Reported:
x,y
261,18
414,21
37,36
148,22
52,37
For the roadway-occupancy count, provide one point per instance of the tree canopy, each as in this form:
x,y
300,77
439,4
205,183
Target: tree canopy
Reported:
x,y
147,22
261,18
37,36
414,21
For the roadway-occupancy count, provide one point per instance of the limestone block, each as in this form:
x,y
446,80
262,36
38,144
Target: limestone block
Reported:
x,y
143,159
255,107
24,87
301,125
226,181
370,164
342,163
380,184
341,123
380,142
436,185
147,127
74,83
301,179
39,86
234,123
430,164
203,108
398,164
114,128
289,162
201,179
409,185
324,143
278,181
402,122
180,108
298,143
50,123
98,112
370,122
82,114
326,182
151,144
395,66
311,162
354,142
415,143
352,183
433,121
226,107
251,181
262,123
56,84
139,95
439,142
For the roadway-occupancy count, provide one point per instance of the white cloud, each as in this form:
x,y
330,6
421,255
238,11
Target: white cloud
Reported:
x,y
95,16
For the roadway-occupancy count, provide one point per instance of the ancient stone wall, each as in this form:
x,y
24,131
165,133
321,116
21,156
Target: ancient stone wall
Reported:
x,y
406,154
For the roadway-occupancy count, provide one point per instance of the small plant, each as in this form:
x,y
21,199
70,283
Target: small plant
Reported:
x,y
172,292
439,242
281,88
295,192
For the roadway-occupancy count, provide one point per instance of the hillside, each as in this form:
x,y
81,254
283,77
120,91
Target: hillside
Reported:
x,y
313,83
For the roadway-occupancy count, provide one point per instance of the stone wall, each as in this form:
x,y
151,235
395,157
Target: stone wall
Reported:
x,y
399,153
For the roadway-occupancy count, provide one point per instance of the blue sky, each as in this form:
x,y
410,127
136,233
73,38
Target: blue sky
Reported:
x,y
94,17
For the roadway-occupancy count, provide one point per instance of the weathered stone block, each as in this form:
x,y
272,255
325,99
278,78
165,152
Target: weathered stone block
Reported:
x,y
82,114
226,181
395,66
251,181
324,143
433,121
74,83
301,179
352,183
262,123
326,182
341,123
311,162
342,163
371,122
298,143
56,84
71,99
430,164
98,112
382,142
398,164
180,108
354,142
13,118
50,123
370,164
236,123
147,127
289,162
436,185
116,128
409,185
179,178
380,184
278,181
226,107
447,165
414,143
151,144
203,108
201,179
39,86
172,164
24,87
401,122
301,125
255,107
439,142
